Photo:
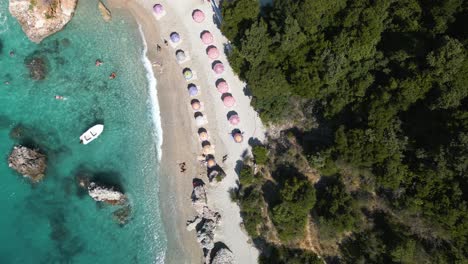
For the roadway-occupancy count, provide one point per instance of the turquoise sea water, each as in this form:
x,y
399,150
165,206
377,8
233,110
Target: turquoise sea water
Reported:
x,y
52,222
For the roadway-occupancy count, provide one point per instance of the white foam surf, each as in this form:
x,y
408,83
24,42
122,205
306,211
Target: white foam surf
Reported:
x,y
155,112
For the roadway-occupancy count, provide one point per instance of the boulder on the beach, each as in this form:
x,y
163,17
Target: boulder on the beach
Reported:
x,y
105,194
42,18
28,162
223,256
106,14
37,67
122,215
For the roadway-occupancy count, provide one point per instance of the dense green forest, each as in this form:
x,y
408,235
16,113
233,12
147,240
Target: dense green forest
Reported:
x,y
372,95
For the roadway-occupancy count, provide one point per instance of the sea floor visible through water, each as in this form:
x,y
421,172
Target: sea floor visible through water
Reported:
x,y
53,221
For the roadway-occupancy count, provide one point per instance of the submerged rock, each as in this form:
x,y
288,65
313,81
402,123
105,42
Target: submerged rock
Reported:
x,y
28,162
122,215
105,194
106,14
42,18
223,256
37,67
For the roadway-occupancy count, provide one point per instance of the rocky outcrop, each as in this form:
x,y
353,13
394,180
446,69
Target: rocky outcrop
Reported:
x,y
28,162
42,18
223,256
205,222
106,14
37,67
105,194
122,215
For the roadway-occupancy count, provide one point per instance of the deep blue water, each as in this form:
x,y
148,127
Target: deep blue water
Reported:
x,y
52,221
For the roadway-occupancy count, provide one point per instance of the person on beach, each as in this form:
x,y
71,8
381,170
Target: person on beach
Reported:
x,y
98,62
225,158
165,42
158,48
112,75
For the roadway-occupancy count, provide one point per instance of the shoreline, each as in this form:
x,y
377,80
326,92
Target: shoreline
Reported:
x,y
174,191
180,142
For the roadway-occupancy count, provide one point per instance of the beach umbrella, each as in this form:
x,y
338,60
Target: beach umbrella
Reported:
x,y
175,37
192,89
238,138
203,135
222,86
218,68
158,9
212,52
187,74
211,163
207,149
229,101
199,121
195,104
207,37
234,120
198,16
180,55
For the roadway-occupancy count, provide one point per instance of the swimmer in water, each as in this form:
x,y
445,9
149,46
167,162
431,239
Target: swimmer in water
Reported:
x,y
12,53
59,97
98,62
112,76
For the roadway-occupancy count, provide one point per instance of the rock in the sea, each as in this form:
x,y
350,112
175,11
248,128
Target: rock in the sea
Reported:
x,y
122,215
37,67
223,256
105,194
106,14
28,162
42,18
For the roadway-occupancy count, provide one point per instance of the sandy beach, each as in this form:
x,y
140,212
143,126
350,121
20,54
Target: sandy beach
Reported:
x,y
180,139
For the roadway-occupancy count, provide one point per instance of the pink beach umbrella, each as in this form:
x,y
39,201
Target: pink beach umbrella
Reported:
x,y
212,52
198,16
206,37
222,86
234,120
158,9
218,68
229,101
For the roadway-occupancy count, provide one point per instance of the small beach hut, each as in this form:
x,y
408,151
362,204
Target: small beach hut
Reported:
x,y
198,15
234,119
218,67
222,86
175,38
158,9
206,37
192,89
180,55
187,74
211,163
195,104
228,100
212,52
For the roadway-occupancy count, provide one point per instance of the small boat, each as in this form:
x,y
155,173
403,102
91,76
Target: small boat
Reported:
x,y
91,134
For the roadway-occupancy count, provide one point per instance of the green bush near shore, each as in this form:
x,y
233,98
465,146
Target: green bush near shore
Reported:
x,y
375,94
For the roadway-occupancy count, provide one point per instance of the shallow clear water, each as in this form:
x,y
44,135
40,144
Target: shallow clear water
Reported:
x,y
52,222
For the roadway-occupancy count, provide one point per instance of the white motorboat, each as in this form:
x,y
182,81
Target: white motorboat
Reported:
x,y
91,134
